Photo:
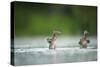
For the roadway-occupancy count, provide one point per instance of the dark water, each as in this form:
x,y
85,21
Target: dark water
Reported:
x,y
29,51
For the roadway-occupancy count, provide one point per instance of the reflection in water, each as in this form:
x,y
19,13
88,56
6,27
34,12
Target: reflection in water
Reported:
x,y
35,51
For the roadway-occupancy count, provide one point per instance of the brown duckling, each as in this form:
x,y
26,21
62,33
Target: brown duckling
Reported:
x,y
84,41
52,40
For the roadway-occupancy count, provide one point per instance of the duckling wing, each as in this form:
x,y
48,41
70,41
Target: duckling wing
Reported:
x,y
49,40
88,41
80,42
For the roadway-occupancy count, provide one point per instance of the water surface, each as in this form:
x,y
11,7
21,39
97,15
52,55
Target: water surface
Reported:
x,y
35,50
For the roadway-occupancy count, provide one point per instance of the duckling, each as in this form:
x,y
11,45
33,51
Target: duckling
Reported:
x,y
52,40
84,41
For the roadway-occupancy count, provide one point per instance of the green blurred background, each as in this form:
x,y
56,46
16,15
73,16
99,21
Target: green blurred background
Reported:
x,y
40,19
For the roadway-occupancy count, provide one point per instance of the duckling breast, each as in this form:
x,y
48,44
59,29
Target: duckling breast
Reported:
x,y
84,42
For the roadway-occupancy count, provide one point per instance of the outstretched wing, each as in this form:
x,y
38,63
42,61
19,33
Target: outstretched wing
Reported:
x,y
80,42
49,40
88,41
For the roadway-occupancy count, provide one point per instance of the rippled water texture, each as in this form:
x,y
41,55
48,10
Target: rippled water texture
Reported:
x,y
29,51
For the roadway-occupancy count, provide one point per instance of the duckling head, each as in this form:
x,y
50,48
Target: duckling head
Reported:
x,y
56,32
85,32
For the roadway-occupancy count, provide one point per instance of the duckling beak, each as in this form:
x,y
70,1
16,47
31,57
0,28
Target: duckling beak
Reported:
x,y
58,32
